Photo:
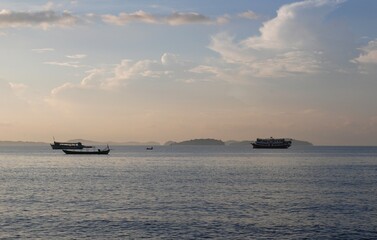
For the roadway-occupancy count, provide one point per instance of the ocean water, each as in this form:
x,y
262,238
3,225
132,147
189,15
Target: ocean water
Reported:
x,y
189,193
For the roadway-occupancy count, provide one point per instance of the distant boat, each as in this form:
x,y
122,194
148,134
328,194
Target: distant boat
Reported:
x,y
68,145
272,143
91,152
149,148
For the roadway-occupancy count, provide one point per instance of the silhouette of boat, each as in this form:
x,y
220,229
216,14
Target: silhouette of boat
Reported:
x,y
272,143
68,145
90,152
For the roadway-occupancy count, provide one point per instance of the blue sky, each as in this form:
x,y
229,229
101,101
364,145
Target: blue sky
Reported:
x,y
176,70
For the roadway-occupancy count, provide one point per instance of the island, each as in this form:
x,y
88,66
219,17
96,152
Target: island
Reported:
x,y
296,142
198,142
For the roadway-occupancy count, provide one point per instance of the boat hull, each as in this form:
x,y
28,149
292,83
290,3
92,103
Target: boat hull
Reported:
x,y
272,143
99,152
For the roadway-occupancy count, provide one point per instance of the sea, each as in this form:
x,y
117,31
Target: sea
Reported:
x,y
189,192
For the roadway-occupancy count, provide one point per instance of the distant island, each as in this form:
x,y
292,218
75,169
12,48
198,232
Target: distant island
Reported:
x,y
296,142
194,142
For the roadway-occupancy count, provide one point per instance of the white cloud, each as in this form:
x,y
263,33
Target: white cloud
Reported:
x,y
249,15
293,62
174,19
291,43
22,92
76,56
231,52
18,87
204,69
66,64
42,50
169,59
168,68
93,79
223,19
44,19
369,54
179,18
124,18
296,26
129,70
48,6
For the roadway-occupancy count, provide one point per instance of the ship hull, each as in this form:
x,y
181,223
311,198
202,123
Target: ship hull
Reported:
x,y
272,143
99,152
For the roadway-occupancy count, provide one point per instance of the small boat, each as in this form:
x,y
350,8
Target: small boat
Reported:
x,y
149,148
272,143
68,145
90,152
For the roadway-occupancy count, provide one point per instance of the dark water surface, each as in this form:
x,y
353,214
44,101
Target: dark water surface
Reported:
x,y
189,193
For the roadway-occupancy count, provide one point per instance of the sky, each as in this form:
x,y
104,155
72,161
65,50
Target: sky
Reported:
x,y
118,70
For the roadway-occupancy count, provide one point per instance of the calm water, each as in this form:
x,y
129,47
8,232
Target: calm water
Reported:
x,y
189,193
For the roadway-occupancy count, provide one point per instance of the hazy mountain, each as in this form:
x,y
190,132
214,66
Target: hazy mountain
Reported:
x,y
207,141
296,142
238,143
21,143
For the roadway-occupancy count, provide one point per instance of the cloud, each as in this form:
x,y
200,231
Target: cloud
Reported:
x,y
249,15
48,5
42,50
169,59
174,19
129,70
291,43
119,75
66,64
169,68
230,51
18,87
179,18
297,25
44,19
369,54
76,56
22,92
124,18
367,60
223,19
93,80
